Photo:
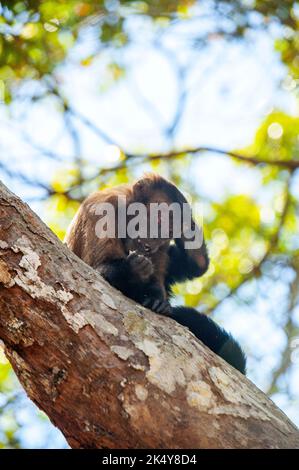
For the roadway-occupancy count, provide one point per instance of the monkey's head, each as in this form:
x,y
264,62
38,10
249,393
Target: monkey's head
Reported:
x,y
156,194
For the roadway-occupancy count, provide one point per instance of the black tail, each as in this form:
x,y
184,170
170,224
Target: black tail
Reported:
x,y
212,335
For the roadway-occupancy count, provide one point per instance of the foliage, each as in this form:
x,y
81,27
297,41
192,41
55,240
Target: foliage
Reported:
x,y
35,36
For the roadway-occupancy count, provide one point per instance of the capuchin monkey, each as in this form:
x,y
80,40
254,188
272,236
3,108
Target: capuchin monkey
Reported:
x,y
145,267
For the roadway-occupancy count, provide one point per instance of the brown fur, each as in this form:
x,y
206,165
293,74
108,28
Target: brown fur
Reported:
x,y
81,237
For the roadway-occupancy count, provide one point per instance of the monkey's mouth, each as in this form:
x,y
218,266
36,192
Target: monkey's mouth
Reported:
x,y
148,249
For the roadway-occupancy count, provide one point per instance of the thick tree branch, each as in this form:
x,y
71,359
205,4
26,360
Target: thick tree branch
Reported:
x,y
108,372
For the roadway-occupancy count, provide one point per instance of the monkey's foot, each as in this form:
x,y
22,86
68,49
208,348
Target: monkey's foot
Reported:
x,y
159,306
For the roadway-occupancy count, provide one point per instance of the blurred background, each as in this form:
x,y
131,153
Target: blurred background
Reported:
x,y
94,93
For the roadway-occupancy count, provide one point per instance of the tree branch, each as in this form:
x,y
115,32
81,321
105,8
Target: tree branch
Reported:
x,y
290,165
253,160
108,372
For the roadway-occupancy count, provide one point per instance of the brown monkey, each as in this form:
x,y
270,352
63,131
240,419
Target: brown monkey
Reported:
x,y
143,268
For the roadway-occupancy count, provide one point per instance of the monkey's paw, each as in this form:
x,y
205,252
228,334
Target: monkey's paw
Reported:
x,y
159,306
140,265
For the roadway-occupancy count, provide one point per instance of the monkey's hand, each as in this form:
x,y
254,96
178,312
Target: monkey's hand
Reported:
x,y
157,305
140,265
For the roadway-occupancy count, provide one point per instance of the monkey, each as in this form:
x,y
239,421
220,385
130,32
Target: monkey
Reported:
x,y
144,268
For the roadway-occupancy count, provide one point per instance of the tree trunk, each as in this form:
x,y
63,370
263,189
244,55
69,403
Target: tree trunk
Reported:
x,y
108,372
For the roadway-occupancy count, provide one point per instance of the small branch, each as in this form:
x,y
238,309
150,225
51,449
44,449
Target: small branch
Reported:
x,y
291,165
23,178
271,246
290,331
95,129
253,160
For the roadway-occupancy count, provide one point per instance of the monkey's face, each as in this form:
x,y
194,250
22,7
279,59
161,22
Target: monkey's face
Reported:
x,y
155,231
149,236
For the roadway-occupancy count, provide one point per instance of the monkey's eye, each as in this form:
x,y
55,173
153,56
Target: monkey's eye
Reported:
x,y
147,248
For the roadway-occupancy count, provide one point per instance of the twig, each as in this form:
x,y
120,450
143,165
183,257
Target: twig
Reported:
x,y
23,178
272,244
147,158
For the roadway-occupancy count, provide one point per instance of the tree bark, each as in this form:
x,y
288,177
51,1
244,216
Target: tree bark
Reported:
x,y
108,372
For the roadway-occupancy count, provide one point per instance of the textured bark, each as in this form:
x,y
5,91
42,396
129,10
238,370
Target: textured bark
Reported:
x,y
108,372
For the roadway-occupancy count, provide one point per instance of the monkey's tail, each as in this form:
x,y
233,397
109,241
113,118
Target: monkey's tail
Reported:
x,y
212,335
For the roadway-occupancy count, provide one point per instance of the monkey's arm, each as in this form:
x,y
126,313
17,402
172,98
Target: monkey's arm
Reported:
x,y
117,273
133,277
185,264
127,273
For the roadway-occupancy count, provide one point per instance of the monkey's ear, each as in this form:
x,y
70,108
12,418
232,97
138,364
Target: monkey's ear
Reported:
x,y
140,184
140,188
147,180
